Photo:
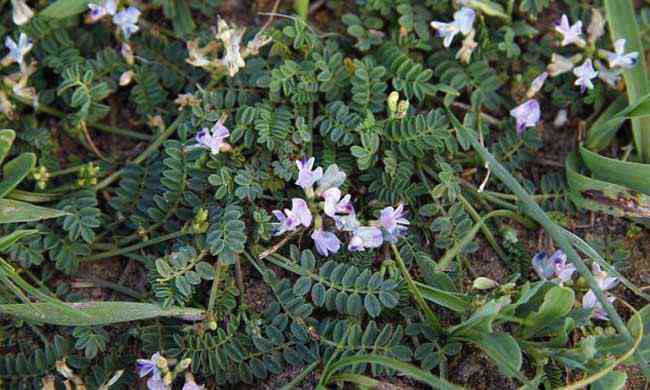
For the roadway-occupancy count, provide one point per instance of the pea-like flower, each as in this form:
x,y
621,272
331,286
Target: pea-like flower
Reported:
x,y
231,37
394,222
559,65
585,73
589,300
332,178
127,20
105,8
526,115
555,265
570,33
596,28
537,84
326,242
150,366
619,59
307,175
213,139
335,205
21,13
463,22
17,50
190,384
290,220
611,77
365,237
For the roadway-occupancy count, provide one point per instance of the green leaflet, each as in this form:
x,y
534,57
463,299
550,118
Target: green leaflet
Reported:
x,y
504,350
7,138
65,8
622,24
453,301
15,171
558,302
609,198
96,313
12,211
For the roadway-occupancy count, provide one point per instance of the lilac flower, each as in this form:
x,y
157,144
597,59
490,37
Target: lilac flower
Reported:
x,y
307,175
526,114
127,20
98,11
333,177
570,33
393,221
537,84
290,220
150,366
603,280
611,77
335,205
589,301
365,237
190,384
326,242
214,138
463,21
18,50
555,265
619,58
21,13
347,223
585,73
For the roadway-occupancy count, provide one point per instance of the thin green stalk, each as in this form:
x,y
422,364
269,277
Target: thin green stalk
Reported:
x,y
303,374
122,251
214,290
302,8
113,286
556,233
428,313
162,137
486,231
33,197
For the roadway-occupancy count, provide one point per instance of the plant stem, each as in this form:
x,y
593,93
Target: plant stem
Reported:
x,y
214,290
121,251
303,374
486,231
433,320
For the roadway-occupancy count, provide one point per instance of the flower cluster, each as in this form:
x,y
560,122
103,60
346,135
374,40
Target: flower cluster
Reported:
x,y
18,81
463,23
233,53
339,209
126,20
556,266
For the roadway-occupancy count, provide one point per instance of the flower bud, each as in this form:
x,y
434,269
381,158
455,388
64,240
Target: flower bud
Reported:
x,y
402,108
482,283
125,78
393,99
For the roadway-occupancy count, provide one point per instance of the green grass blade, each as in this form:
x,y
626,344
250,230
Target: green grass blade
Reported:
x,y
7,138
12,211
622,23
15,171
629,174
94,313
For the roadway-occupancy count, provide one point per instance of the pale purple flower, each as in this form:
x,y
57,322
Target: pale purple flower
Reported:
x,y
570,33
290,220
307,175
365,237
190,384
537,84
619,58
463,22
526,114
347,223
213,139
326,242
335,205
150,366
393,221
585,73
555,265
106,7
18,50
589,301
611,77
604,281
332,178
127,20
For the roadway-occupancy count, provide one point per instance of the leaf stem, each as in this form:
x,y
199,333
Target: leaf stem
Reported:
x,y
121,251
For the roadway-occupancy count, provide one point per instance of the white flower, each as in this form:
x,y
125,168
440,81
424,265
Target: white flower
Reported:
x,y
570,33
561,118
125,78
98,11
127,53
463,22
619,58
18,50
127,20
596,28
231,37
585,73
365,237
537,84
559,65
21,12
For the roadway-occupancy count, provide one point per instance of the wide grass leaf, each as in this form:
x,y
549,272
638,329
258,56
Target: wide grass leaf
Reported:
x,y
12,211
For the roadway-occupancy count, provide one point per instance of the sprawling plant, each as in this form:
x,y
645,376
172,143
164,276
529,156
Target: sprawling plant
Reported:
x,y
190,201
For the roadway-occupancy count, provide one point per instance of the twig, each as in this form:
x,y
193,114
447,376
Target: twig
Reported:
x,y
488,118
277,246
